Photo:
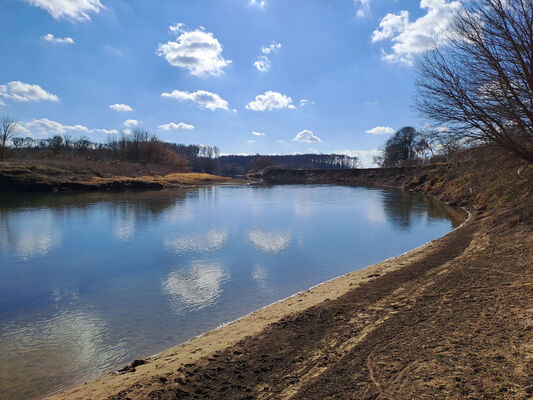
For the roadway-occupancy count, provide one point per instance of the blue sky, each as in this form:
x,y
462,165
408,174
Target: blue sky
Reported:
x,y
308,75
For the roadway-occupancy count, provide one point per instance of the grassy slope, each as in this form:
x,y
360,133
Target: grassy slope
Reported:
x,y
32,176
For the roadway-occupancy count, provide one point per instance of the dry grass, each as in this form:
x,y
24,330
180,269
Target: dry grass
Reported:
x,y
91,175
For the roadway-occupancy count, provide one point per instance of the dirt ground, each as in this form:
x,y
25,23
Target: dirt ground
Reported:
x,y
451,320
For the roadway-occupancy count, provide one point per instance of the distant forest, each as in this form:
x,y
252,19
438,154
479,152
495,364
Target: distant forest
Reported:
x,y
142,147
237,165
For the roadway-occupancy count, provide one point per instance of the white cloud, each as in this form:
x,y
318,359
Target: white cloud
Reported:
x,y
381,130
391,25
251,141
364,157
131,122
198,51
52,39
127,131
205,99
120,107
306,136
77,10
258,133
259,3
106,131
364,7
179,125
262,63
269,101
412,38
25,92
44,126
269,49
305,102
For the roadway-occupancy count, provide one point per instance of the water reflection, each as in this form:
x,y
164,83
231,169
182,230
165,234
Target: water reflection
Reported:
x,y
197,242
401,208
68,340
29,234
270,242
259,274
124,224
73,303
195,287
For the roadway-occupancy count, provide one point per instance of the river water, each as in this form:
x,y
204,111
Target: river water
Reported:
x,y
88,282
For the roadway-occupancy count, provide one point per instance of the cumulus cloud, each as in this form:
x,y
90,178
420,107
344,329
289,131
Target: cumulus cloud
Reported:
x,y
52,39
25,92
251,141
120,107
197,51
76,10
380,130
44,126
258,3
106,131
179,125
269,101
258,133
205,99
263,62
269,49
131,122
412,38
306,136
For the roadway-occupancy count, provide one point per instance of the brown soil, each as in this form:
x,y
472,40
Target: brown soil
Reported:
x,y
451,320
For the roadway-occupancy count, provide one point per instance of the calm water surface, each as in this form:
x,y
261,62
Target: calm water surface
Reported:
x,y
90,281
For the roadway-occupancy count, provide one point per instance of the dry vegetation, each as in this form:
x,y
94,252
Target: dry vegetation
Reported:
x,y
95,175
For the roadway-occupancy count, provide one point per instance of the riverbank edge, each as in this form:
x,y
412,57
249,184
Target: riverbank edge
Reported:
x,y
144,379
19,177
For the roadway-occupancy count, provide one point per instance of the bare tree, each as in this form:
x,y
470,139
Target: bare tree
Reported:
x,y
404,145
7,129
479,81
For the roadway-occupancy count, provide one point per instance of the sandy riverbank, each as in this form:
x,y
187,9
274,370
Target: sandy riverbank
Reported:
x,y
452,319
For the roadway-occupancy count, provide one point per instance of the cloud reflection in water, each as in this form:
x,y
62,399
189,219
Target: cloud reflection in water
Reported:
x,y
270,242
196,287
196,242
28,236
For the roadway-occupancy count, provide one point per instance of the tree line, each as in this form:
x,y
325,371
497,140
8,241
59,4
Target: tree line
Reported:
x,y
140,146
